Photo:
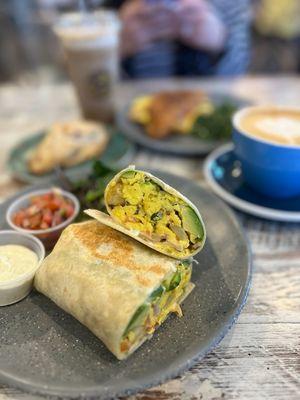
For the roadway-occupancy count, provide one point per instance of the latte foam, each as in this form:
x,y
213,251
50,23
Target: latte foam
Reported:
x,y
276,125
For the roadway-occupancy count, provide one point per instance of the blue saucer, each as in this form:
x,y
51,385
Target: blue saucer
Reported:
x,y
223,173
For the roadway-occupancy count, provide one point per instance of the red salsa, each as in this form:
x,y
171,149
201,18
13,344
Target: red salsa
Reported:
x,y
44,211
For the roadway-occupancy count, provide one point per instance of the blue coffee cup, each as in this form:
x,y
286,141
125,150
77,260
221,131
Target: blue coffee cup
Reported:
x,y
270,168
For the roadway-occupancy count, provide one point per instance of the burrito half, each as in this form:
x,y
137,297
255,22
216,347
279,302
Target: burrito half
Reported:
x,y
118,288
146,208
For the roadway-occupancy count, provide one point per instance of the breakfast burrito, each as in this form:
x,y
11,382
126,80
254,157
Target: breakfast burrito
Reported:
x,y
147,209
117,287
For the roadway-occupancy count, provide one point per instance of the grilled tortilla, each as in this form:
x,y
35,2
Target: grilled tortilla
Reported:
x,y
147,209
118,288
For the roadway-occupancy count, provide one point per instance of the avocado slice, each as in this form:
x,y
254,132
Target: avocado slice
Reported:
x,y
191,222
141,313
138,317
148,185
156,294
175,281
128,174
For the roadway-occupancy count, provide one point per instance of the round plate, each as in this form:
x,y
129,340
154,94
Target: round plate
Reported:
x,y
186,145
45,350
223,173
118,154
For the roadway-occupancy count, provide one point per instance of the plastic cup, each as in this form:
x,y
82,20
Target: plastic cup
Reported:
x,y
91,43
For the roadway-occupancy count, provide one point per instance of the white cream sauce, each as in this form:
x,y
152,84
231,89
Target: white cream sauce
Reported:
x,y
15,261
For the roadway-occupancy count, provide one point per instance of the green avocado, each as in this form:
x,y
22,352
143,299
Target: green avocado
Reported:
x,y
138,318
156,294
129,174
191,222
175,281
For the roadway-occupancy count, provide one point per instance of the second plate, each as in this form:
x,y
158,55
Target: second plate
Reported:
x,y
185,145
118,154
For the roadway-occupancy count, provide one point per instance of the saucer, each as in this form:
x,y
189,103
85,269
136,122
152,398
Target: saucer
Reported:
x,y
222,171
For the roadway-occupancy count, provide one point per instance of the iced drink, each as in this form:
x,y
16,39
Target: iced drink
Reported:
x,y
90,43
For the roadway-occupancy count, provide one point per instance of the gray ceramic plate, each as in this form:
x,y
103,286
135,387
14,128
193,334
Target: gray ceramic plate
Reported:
x,y
185,145
44,350
118,154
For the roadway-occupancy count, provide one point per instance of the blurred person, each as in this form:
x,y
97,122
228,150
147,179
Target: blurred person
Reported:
x,y
183,37
159,38
163,38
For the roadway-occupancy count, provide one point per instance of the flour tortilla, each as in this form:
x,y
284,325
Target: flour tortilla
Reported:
x,y
113,223
102,277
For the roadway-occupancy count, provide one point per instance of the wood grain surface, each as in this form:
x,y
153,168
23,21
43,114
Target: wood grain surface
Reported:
x,y
260,357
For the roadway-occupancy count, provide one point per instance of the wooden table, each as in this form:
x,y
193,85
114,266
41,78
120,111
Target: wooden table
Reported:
x,y
260,357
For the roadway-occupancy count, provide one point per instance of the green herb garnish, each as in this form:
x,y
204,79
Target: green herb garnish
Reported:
x,y
217,125
90,191
157,216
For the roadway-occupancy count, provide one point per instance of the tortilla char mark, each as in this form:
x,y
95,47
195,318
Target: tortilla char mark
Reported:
x,y
102,242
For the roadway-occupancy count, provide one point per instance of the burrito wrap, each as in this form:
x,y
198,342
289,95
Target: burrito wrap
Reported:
x,y
101,277
166,240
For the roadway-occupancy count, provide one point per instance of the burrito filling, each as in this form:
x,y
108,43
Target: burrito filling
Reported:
x,y
162,301
138,203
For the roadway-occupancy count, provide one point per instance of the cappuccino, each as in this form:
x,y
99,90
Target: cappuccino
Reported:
x,y
277,125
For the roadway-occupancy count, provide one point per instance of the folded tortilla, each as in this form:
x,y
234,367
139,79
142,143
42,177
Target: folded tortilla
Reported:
x,y
118,288
147,209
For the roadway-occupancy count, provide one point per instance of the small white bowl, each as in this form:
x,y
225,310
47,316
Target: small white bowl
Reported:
x,y
16,289
48,236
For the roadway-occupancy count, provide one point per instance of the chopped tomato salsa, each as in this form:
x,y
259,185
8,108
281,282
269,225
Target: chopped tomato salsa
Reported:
x,y
44,212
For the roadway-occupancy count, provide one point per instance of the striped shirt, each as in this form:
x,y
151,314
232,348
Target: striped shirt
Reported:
x,y
168,58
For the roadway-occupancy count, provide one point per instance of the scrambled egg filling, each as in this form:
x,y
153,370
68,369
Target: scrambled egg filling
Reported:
x,y
163,301
140,204
139,111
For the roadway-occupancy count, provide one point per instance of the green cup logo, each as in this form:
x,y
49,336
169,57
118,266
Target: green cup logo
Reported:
x,y
100,83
